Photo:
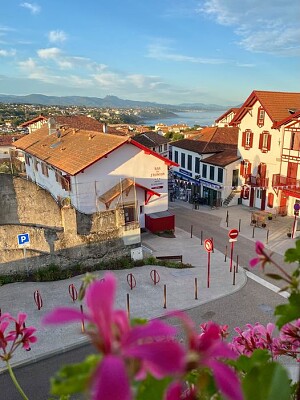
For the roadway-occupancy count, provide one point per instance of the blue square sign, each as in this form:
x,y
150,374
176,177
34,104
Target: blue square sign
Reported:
x,y
23,239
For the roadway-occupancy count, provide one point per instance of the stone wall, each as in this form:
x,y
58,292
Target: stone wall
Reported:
x,y
59,236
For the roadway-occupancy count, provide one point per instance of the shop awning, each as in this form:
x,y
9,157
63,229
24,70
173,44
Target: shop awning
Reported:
x,y
197,182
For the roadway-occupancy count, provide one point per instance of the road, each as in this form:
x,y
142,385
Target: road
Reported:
x,y
253,303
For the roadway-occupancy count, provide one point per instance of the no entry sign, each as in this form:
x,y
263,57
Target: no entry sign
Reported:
x,y
233,234
208,245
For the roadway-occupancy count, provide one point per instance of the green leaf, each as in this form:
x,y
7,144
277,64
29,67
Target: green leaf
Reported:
x,y
259,358
268,382
274,276
151,388
293,255
74,378
288,312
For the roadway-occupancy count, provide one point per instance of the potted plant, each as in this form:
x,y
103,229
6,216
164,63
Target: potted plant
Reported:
x,y
270,216
289,233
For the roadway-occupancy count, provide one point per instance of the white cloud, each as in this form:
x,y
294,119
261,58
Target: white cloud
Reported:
x,y
270,26
33,8
57,36
162,52
49,53
7,53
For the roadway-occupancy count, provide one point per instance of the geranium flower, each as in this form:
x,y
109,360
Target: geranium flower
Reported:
x,y
208,350
262,258
128,352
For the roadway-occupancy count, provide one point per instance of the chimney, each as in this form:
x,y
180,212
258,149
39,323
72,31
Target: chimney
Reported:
x,y
51,126
104,127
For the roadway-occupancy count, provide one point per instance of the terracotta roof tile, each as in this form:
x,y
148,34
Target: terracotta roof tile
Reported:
x,y
222,159
150,139
8,140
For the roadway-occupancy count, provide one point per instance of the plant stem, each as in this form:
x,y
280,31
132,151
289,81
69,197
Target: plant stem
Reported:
x,y
16,383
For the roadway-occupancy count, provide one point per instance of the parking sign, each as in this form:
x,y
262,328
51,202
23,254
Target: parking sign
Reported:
x,y
23,240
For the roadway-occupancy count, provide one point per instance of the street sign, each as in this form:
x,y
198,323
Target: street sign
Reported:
x,y
23,240
296,206
233,234
208,245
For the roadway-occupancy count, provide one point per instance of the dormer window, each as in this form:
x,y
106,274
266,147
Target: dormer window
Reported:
x,y
260,117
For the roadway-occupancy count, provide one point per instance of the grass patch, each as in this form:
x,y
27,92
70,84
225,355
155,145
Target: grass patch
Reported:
x,y
54,272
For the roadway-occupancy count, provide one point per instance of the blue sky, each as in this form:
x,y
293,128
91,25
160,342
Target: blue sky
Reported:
x,y
168,51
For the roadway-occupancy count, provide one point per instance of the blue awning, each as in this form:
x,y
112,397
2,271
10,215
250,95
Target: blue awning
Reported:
x,y
197,182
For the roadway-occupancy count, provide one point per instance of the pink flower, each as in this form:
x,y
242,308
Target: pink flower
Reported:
x,y
288,342
208,350
262,256
151,346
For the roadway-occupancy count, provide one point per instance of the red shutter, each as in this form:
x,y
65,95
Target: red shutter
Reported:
x,y
242,168
263,170
248,172
269,142
243,139
251,139
270,200
260,141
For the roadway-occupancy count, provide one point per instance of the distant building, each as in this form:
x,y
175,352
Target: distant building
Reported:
x,y
154,141
225,119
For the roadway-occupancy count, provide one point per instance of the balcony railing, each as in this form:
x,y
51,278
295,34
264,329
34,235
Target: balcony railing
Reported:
x,y
256,181
284,182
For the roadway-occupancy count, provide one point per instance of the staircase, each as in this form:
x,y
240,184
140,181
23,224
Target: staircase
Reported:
x,y
229,198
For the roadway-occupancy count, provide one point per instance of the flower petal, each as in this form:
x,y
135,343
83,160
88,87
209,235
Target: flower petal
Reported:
x,y
111,381
254,261
259,248
226,380
174,391
159,358
64,315
154,330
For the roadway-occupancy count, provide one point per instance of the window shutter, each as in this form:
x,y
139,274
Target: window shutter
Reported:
x,y
262,170
270,200
260,141
242,168
249,169
269,142
251,139
244,139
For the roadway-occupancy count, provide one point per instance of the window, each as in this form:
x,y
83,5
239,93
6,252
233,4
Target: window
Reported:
x,y
182,160
197,165
245,168
189,166
258,193
45,169
160,149
220,175
165,147
211,173
35,162
295,141
247,139
204,170
260,117
265,142
176,156
27,159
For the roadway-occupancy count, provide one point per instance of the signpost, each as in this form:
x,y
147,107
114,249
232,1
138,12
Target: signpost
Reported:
x,y
209,246
232,234
23,242
296,213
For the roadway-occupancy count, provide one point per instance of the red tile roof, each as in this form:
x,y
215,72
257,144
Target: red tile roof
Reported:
x,y
222,159
276,105
8,140
75,149
231,110
34,120
224,135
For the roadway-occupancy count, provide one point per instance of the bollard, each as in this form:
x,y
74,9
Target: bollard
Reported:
x,y
213,249
38,299
233,279
131,281
73,292
227,218
165,296
128,305
82,319
240,225
154,275
191,231
225,253
196,289
267,236
237,264
253,231
201,237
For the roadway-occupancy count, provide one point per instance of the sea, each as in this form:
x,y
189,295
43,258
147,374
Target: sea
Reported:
x,y
202,118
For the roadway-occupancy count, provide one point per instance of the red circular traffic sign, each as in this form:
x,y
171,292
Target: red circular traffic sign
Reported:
x,y
208,245
233,233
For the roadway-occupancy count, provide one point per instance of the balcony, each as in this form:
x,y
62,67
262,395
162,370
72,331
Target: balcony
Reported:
x,y
256,181
289,185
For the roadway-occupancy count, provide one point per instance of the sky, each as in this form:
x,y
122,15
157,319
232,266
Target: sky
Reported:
x,y
166,51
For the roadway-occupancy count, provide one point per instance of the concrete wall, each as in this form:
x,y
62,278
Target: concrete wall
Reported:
x,y
61,236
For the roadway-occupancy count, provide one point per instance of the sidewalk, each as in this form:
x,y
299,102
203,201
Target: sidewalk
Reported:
x,y
241,215
146,299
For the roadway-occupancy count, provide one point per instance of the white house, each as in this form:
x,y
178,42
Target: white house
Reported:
x,y
154,141
225,119
261,121
95,171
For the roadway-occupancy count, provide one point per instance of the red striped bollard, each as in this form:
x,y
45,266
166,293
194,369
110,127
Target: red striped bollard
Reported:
x,y
38,299
131,281
73,292
154,275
